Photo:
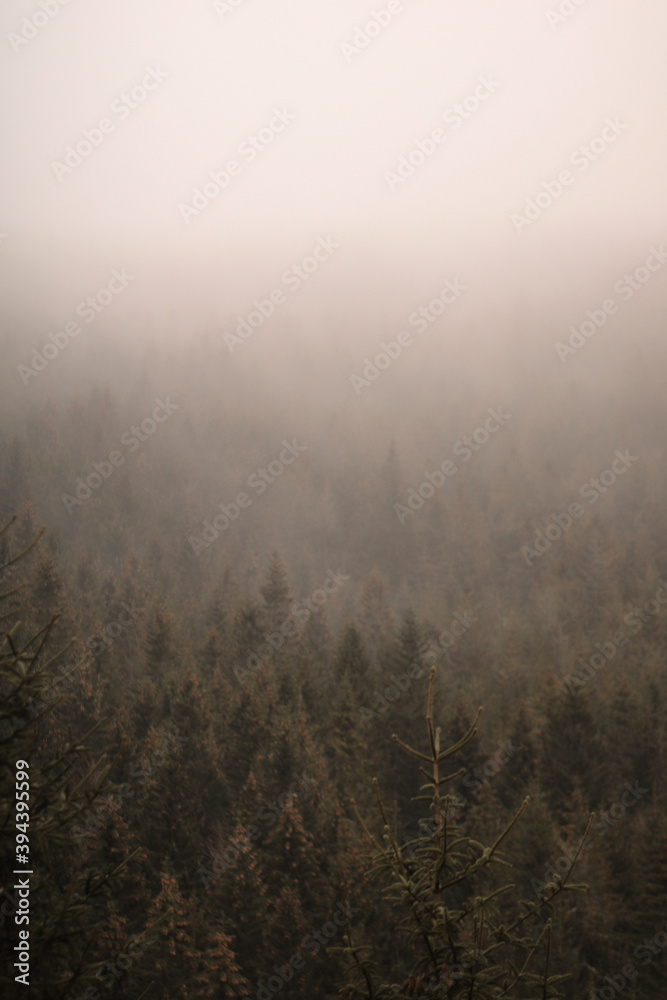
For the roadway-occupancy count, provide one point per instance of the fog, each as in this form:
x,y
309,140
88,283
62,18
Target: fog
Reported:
x,y
349,112
357,224
333,371
410,144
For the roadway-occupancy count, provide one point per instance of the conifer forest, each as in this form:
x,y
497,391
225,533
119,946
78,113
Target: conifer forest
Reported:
x,y
333,501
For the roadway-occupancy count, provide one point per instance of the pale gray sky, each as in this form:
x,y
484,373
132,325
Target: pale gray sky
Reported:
x,y
326,171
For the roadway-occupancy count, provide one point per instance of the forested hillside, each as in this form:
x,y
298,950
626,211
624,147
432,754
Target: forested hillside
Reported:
x,y
333,500
256,609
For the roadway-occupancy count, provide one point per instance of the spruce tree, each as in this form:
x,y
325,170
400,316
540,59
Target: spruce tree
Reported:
x,y
401,686
572,750
463,934
160,643
316,638
377,621
276,594
511,782
351,660
71,894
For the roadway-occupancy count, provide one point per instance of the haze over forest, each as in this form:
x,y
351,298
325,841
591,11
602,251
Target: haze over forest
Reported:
x,y
333,371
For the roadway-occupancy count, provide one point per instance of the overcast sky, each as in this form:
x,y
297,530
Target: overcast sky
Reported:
x,y
347,115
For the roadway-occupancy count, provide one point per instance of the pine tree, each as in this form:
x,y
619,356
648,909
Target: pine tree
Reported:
x,y
160,643
16,477
395,558
407,648
402,676
247,636
182,967
217,614
377,621
346,738
317,642
631,576
436,546
572,752
643,909
276,594
597,562
513,781
70,893
211,653
351,660
462,935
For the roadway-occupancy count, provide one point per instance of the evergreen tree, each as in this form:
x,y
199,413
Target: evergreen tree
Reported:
x,y
377,621
396,558
276,594
461,935
597,563
571,753
351,660
212,652
513,781
402,684
160,643
643,907
317,642
69,896
246,638
346,737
